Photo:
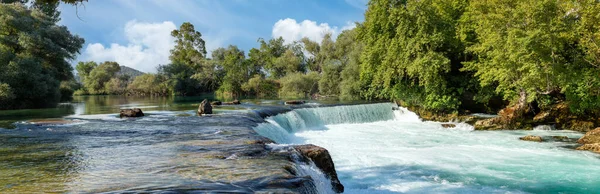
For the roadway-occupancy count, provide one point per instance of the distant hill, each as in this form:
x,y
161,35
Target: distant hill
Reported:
x,y
132,73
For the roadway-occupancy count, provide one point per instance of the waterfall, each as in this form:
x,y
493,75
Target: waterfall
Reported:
x,y
280,128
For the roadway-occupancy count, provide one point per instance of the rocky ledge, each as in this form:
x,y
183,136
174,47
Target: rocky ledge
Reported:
x,y
320,156
590,141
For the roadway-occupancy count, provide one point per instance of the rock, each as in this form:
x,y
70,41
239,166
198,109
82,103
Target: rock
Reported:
x,y
487,124
136,112
216,103
590,137
204,108
594,147
532,138
232,102
560,138
447,125
295,102
320,156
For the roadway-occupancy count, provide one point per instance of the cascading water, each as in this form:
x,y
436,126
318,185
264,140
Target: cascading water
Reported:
x,y
381,148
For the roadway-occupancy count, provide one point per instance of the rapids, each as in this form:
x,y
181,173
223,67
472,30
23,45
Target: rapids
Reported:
x,y
382,148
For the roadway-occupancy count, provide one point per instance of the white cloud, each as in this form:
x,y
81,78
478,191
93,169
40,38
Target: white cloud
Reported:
x,y
291,30
148,46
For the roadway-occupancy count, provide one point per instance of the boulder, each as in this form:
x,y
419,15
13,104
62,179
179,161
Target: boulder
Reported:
x,y
532,138
560,138
320,156
295,102
216,103
136,112
590,137
448,125
594,147
204,108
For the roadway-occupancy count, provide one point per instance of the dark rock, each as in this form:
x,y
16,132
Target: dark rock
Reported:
x,y
232,102
447,125
216,103
295,102
532,138
560,138
594,147
136,112
320,156
590,137
204,108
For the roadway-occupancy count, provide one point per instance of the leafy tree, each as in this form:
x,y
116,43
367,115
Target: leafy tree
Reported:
x,y
298,85
34,56
348,50
411,49
189,45
236,71
150,85
95,82
330,78
261,87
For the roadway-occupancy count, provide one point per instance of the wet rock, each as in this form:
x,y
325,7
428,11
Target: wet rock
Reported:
x,y
51,122
590,137
136,112
560,138
594,147
232,102
216,103
204,108
448,125
295,102
320,156
532,138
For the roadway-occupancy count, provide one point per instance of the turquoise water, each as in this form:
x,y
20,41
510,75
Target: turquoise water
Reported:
x,y
390,151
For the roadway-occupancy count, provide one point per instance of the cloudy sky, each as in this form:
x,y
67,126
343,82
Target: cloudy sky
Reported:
x,y
136,33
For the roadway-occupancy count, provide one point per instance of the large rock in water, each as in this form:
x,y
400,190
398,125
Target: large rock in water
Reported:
x,y
594,147
295,102
136,112
532,138
590,137
320,156
204,108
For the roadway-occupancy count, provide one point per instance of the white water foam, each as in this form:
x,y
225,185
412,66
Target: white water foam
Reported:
x,y
403,154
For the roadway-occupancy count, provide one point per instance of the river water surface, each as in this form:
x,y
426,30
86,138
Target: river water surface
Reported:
x,y
377,148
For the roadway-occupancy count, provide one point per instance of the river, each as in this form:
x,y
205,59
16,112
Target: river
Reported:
x,y
377,148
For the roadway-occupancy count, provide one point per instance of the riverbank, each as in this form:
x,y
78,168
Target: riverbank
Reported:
x,y
556,116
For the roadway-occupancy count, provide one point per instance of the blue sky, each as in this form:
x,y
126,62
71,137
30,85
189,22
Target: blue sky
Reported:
x,y
136,33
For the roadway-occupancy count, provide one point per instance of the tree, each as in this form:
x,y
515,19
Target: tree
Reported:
x,y
298,85
236,71
348,50
34,56
521,46
411,51
95,82
261,87
189,45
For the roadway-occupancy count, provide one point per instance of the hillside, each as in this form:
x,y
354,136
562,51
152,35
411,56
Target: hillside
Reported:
x,y
129,71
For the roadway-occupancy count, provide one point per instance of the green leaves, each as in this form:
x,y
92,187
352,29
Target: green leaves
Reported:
x,y
34,57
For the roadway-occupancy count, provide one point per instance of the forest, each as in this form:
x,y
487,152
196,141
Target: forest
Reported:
x,y
441,55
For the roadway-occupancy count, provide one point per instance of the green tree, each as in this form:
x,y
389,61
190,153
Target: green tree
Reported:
x,y
34,56
411,51
236,70
261,87
95,82
298,85
189,45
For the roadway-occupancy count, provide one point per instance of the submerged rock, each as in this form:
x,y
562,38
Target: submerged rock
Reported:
x,y
590,137
232,102
216,103
136,112
594,147
204,108
448,125
532,138
295,102
560,138
320,156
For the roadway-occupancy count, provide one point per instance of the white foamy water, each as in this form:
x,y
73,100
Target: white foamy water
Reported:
x,y
402,154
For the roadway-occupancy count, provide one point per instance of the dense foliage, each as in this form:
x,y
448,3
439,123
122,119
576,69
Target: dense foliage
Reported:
x,y
34,56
